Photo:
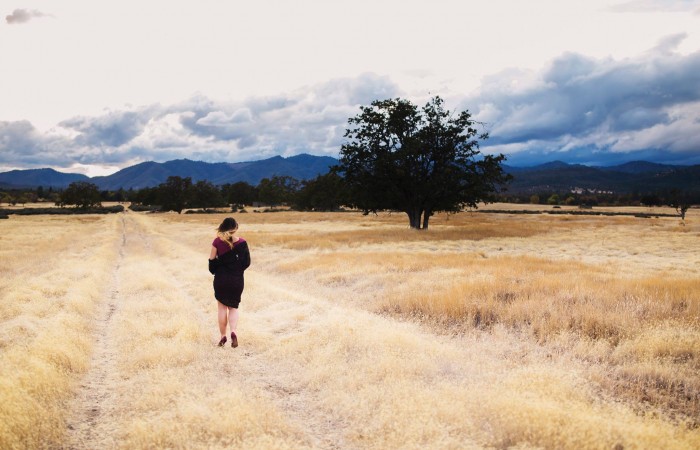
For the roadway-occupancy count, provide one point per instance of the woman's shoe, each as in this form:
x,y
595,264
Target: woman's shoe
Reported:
x,y
234,340
222,342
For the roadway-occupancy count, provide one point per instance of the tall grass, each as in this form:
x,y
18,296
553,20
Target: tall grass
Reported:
x,y
483,332
612,306
52,281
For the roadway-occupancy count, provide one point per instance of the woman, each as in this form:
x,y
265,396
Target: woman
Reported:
x,y
228,259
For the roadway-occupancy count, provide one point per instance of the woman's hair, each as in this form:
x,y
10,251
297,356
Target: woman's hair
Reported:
x,y
226,230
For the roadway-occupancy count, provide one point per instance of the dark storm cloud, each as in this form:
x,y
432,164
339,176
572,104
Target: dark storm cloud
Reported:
x,y
580,102
20,16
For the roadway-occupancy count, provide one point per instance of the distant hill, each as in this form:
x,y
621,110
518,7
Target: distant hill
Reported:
x,y
556,176
149,174
549,166
39,177
637,176
638,167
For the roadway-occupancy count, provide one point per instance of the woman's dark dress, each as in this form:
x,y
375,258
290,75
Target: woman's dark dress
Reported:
x,y
228,270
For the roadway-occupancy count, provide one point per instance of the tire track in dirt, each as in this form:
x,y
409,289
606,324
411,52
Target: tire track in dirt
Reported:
x,y
91,408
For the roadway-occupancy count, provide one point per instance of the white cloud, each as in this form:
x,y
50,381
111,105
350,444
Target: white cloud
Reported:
x,y
20,16
91,170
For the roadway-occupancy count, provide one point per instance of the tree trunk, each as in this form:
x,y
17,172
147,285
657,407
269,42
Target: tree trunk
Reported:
x,y
426,218
414,218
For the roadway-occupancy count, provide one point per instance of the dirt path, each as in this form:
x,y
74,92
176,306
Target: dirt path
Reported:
x,y
91,409
281,380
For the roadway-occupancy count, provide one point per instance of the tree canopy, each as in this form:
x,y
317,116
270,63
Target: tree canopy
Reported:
x,y
175,194
419,161
240,193
324,193
179,193
82,194
278,189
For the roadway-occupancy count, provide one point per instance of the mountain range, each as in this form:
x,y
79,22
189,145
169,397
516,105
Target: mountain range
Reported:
x,y
556,176
635,176
149,174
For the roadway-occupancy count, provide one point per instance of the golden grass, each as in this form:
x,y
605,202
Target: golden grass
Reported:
x,y
486,331
550,299
52,280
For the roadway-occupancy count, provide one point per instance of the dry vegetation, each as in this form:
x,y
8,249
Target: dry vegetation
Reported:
x,y
486,331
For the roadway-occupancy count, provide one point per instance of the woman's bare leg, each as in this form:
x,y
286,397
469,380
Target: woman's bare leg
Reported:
x,y
223,317
232,319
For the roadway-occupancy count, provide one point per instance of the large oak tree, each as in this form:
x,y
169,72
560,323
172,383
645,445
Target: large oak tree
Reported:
x,y
419,161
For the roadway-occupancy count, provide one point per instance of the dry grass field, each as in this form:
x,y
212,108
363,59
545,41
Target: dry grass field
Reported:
x,y
486,331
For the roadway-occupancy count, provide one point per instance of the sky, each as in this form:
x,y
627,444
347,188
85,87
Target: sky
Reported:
x,y
92,87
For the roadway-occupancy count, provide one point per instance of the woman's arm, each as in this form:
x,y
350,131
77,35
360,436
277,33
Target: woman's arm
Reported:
x,y
213,262
245,256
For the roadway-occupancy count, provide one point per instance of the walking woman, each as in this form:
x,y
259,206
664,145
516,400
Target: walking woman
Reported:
x,y
228,259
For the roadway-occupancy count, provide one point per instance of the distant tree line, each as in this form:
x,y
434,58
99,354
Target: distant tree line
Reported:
x,y
323,193
676,198
328,192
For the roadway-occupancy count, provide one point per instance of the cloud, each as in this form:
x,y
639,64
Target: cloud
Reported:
x,y
669,44
576,108
605,106
20,16
112,129
311,119
18,137
21,144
